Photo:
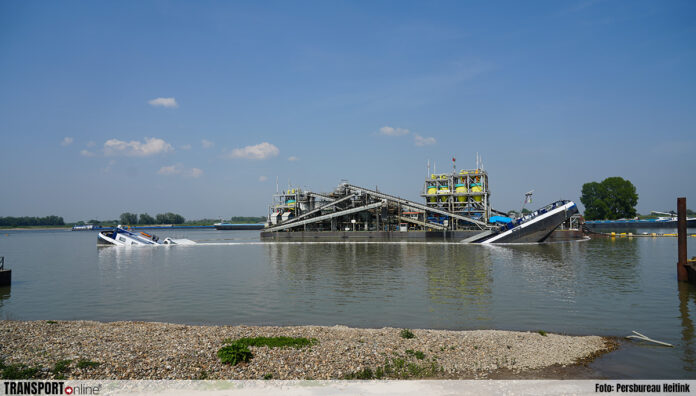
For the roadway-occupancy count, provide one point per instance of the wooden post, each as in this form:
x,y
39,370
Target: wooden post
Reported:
x,y
682,275
5,274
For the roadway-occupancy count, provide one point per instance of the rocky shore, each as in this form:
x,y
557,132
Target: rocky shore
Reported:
x,y
145,350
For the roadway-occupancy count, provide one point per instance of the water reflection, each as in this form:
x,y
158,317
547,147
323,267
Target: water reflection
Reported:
x,y
4,294
613,264
687,311
548,270
460,276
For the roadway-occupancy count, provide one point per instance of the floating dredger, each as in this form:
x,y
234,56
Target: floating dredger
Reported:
x,y
457,207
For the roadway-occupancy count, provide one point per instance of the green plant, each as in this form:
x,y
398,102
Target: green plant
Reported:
x,y
418,354
364,374
51,322
17,371
406,333
234,353
61,366
398,368
268,376
542,332
276,342
83,363
237,351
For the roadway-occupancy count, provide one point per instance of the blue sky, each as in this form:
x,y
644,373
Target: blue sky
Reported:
x,y
197,107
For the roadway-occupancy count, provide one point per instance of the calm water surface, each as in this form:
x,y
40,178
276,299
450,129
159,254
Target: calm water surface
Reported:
x,y
603,286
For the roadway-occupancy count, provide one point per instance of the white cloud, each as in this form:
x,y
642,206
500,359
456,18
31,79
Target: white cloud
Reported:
x,y
163,102
390,131
186,147
108,167
207,143
262,178
169,170
86,153
293,158
135,148
193,172
178,169
423,141
66,141
260,151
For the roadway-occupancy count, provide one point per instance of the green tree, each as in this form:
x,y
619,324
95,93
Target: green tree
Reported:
x,y
613,198
146,219
129,218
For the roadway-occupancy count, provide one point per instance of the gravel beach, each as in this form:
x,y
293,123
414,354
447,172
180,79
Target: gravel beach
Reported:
x,y
145,350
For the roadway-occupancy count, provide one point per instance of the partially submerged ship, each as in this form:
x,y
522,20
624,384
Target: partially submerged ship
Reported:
x,y
457,207
121,236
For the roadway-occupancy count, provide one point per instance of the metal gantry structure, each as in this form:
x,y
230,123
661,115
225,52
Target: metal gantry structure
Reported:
x,y
465,193
455,201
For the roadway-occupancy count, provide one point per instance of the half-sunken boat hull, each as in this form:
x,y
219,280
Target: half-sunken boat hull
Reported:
x,y
537,229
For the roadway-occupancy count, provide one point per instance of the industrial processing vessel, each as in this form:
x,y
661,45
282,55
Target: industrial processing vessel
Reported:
x,y
457,207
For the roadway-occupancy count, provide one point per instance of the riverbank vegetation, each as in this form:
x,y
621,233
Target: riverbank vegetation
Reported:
x,y
27,221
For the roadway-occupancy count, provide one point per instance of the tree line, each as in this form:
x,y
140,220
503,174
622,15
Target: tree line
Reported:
x,y
31,221
144,218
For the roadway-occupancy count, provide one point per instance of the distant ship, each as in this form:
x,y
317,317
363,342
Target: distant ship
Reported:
x,y
669,220
230,226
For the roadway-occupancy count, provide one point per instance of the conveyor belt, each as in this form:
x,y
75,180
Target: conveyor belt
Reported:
x,y
311,212
415,205
422,223
326,217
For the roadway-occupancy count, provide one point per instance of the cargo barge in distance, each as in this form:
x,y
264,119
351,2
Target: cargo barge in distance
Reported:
x,y
457,208
230,226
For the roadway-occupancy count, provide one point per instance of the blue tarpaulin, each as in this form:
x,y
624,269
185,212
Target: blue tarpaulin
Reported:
x,y
499,219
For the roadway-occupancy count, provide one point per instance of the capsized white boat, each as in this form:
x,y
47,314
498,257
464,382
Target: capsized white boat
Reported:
x,y
119,236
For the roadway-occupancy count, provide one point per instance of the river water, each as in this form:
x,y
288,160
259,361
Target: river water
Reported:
x,y
597,287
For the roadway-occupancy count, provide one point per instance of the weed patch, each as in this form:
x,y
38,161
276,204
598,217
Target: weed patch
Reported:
x,y
234,353
237,351
83,363
276,342
406,333
61,367
17,371
398,368
418,354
